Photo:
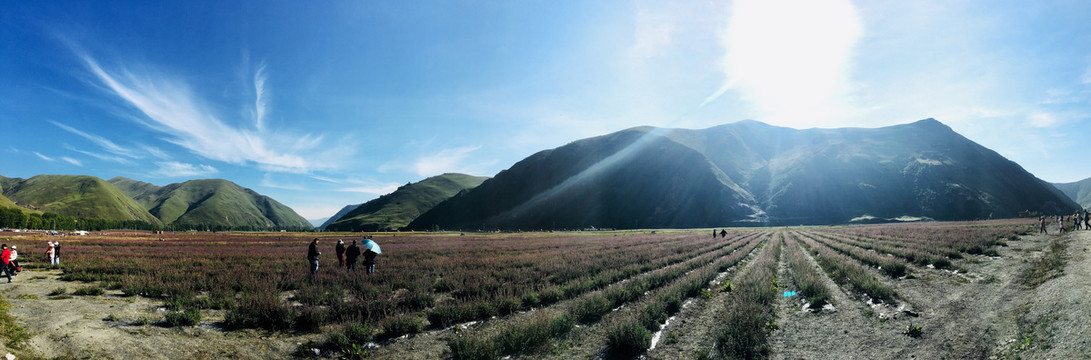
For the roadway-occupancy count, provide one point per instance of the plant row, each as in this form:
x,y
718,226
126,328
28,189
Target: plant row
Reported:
x,y
889,265
845,271
749,315
810,282
912,254
586,309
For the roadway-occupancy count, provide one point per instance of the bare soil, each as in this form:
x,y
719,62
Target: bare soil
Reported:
x,y
983,311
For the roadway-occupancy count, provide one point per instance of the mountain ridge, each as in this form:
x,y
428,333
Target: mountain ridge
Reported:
x,y
751,173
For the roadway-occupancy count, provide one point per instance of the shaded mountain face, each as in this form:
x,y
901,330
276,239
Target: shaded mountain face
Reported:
x,y
213,202
77,196
750,173
1079,191
340,213
397,209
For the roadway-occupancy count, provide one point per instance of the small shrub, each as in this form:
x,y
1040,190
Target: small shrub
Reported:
x,y
402,325
447,315
591,309
913,331
141,321
652,315
88,291
550,296
628,339
60,297
530,299
337,342
485,310
357,333
112,318
187,317
509,306
418,301
727,287
311,318
473,348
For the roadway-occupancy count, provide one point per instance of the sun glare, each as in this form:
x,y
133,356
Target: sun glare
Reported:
x,y
792,57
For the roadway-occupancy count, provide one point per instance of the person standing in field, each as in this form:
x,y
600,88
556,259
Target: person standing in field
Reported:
x,y
369,259
340,252
723,233
57,253
1042,225
1060,223
351,254
49,252
1086,220
312,257
6,258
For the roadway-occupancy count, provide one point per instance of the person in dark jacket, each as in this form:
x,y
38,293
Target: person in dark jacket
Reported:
x,y
341,252
351,254
369,261
312,256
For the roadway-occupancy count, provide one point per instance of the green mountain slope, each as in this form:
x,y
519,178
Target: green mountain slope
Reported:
x,y
1079,191
140,191
216,202
7,203
397,209
751,173
77,196
340,214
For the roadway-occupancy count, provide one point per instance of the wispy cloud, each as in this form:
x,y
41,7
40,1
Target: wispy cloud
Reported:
x,y
267,181
260,99
71,161
104,157
447,160
171,108
156,152
46,158
178,169
100,141
375,189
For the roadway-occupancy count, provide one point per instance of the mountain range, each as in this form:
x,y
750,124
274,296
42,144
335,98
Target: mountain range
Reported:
x,y
209,204
1079,191
751,173
395,210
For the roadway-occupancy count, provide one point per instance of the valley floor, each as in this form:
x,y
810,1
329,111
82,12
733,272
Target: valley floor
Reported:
x,y
985,310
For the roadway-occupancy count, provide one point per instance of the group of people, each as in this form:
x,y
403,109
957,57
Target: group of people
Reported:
x,y
53,252
1080,220
347,256
10,259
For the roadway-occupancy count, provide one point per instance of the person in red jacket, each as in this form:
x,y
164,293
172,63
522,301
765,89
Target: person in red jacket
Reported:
x,y
6,258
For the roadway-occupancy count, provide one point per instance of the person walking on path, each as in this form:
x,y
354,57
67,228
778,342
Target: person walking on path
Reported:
x,y
1060,223
5,256
1076,223
340,252
312,257
1086,220
1042,225
15,268
351,254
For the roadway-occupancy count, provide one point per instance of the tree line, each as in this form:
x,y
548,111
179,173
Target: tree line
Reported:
x,y
17,219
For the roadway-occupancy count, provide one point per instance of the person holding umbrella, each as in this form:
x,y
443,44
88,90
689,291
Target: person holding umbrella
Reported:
x,y
369,255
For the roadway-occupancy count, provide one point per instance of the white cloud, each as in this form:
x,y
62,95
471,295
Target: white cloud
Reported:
x,y
447,160
156,152
46,158
267,181
111,158
792,58
1042,119
172,109
71,161
177,169
100,141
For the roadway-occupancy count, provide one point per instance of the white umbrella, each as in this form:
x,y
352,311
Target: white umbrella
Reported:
x,y
373,246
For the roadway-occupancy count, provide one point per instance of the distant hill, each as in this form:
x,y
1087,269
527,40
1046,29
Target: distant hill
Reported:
x,y
5,202
319,222
76,196
1079,191
212,202
397,209
751,173
340,213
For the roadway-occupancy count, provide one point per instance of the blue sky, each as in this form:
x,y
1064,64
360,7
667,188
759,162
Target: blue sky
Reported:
x,y
325,104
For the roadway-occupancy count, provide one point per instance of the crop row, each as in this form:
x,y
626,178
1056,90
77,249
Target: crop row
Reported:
x,y
806,277
847,272
632,335
945,238
586,309
749,316
889,265
913,254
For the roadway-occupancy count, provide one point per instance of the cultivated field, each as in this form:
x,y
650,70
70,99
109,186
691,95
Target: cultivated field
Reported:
x,y
929,290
